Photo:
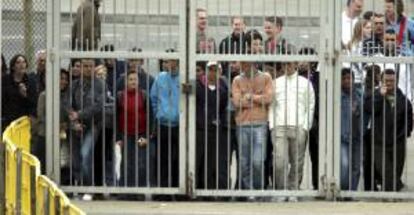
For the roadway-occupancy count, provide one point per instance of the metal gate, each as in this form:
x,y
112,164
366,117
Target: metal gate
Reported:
x,y
143,29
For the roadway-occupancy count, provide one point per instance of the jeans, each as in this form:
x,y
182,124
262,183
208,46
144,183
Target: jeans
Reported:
x,y
289,146
350,164
83,156
252,141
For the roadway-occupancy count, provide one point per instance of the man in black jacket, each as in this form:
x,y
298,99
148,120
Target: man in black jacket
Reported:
x,y
234,43
392,121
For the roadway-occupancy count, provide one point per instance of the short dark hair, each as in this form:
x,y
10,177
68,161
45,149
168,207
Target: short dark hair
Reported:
x,y
368,15
252,35
346,71
348,3
389,72
201,64
275,20
399,6
73,61
129,72
390,31
371,70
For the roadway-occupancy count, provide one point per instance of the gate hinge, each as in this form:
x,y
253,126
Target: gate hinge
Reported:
x,y
190,181
330,188
52,55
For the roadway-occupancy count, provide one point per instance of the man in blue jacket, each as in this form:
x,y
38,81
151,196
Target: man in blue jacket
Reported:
x,y
165,97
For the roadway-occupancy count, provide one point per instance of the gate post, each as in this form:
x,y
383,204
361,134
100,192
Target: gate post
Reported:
x,y
191,51
329,112
52,90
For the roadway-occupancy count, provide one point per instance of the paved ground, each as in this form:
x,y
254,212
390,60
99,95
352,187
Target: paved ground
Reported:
x,y
306,208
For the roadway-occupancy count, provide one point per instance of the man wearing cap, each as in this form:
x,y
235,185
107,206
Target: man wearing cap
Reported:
x,y
86,29
212,147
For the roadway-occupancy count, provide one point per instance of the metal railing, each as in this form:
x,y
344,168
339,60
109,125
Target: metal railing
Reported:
x,y
172,134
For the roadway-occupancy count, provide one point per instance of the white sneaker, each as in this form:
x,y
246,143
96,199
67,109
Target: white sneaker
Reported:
x,y
87,197
293,199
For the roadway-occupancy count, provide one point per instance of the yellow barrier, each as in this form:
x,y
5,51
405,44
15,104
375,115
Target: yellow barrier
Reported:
x,y
10,178
19,133
26,191
30,173
61,202
73,210
43,195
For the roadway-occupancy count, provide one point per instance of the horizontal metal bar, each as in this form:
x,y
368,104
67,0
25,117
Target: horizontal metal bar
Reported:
x,y
119,54
378,195
129,190
274,193
379,60
253,58
166,19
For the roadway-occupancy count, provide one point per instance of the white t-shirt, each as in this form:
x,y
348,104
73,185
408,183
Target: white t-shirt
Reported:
x,y
348,25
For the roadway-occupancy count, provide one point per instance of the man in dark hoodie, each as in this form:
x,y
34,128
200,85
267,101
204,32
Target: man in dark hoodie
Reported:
x,y
234,43
86,29
87,102
392,120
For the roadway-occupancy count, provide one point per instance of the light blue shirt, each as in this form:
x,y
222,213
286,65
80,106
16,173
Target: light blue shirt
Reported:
x,y
165,98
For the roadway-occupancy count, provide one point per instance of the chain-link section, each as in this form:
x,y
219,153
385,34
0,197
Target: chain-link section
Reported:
x,y
23,28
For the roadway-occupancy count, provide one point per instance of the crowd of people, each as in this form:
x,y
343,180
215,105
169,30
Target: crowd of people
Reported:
x,y
265,112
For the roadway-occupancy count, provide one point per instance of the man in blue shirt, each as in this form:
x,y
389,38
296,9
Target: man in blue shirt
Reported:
x,y
351,136
165,97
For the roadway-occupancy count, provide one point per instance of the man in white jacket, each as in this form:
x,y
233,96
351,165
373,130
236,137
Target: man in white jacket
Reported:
x,y
290,119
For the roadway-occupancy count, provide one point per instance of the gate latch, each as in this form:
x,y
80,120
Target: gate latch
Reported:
x,y
187,88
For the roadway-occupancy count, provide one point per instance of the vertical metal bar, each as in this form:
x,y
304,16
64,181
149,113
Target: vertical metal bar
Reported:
x,y
115,25
125,98
136,149
56,92
18,209
49,82
335,104
184,29
104,96
94,126
325,119
147,133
